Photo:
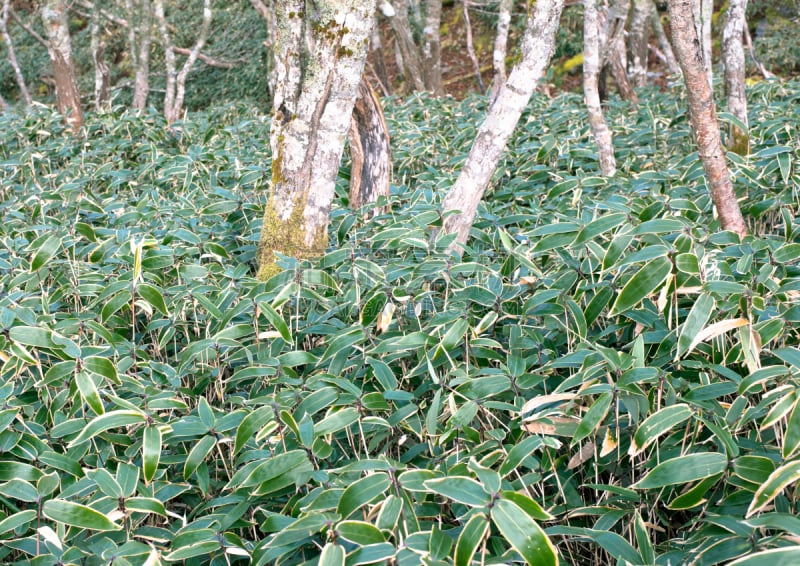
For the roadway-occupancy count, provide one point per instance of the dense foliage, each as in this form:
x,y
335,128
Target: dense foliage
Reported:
x,y
604,375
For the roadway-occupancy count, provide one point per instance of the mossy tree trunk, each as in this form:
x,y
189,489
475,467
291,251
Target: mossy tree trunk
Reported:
x,y
319,72
538,43
54,17
703,115
591,94
733,59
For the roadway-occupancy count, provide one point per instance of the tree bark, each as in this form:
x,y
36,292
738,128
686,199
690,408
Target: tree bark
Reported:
x,y
176,80
733,60
54,17
591,72
501,46
101,72
412,62
614,52
140,32
267,11
378,62
538,44
639,35
703,116
431,47
12,57
370,150
663,42
316,88
471,49
703,11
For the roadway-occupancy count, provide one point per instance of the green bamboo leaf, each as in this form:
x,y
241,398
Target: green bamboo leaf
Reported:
x,y
787,556
643,540
89,392
593,418
657,424
360,532
275,320
146,505
45,252
332,555
250,425
373,307
791,438
371,554
684,469
528,505
470,538
198,454
701,311
361,492
17,520
153,296
102,366
643,283
601,226
522,532
32,336
790,355
77,515
695,496
20,490
107,421
106,482
460,488
151,452
202,548
335,422
776,482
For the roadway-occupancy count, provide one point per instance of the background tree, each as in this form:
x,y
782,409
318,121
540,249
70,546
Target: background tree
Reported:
x,y
639,41
591,94
537,47
317,86
11,54
733,60
140,36
416,29
54,18
501,46
370,149
101,70
703,115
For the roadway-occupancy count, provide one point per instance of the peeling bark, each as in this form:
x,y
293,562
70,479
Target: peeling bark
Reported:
x,y
370,150
733,60
704,117
663,42
537,47
591,71
54,17
314,91
639,38
176,80
501,46
12,56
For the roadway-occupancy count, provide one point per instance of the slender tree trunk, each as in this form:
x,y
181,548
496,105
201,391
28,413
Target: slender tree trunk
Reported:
x,y
314,91
54,17
663,42
538,44
501,46
703,11
591,71
101,73
370,150
614,53
412,62
12,56
141,22
431,47
267,11
471,49
703,116
639,35
759,65
378,63
176,80
733,60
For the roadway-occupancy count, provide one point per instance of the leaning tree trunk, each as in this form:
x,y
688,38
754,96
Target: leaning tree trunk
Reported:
x,y
370,150
501,46
538,43
12,57
663,42
54,17
733,60
703,116
591,72
314,91
639,40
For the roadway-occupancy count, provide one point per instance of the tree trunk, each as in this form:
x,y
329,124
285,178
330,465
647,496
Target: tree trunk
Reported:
x,y
733,60
614,54
663,42
639,35
431,47
591,71
54,17
501,46
268,13
412,63
378,63
471,49
370,150
140,29
101,73
538,43
703,11
176,81
316,88
3,103
12,57
703,116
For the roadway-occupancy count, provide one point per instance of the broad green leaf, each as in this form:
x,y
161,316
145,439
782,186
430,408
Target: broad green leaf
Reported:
x,y
643,540
17,520
77,515
371,554
151,452
336,421
332,555
701,311
250,425
459,488
684,469
775,483
786,556
644,282
470,538
523,533
657,424
791,438
593,418
89,392
107,421
275,320
106,482
45,252
362,492
153,296
32,336
145,505
198,454
531,507
102,366
360,532
20,490
790,355
202,548
694,496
